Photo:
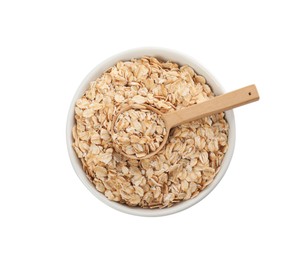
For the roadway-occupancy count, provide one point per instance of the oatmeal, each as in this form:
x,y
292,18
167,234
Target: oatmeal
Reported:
x,y
191,157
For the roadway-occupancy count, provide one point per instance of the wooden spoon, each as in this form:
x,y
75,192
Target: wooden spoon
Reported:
x,y
213,106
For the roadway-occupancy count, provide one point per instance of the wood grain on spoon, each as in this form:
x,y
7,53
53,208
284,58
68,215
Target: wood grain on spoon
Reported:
x,y
213,106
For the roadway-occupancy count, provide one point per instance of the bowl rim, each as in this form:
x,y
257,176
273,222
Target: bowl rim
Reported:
x,y
136,53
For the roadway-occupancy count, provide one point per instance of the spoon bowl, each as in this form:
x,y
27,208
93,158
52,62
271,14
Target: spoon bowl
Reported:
x,y
142,106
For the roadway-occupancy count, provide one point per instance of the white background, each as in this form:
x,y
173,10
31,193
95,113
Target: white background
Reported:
x,y
47,47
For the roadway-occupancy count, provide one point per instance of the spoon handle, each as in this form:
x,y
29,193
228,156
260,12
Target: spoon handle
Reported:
x,y
213,106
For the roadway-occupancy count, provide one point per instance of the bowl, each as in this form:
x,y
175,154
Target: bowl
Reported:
x,y
164,54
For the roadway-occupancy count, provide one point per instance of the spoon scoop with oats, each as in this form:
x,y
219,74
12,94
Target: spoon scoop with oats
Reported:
x,y
141,131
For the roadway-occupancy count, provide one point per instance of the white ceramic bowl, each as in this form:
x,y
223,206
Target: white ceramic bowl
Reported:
x,y
164,54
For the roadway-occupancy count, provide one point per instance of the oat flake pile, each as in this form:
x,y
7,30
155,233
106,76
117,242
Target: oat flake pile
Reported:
x,y
188,162
138,132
